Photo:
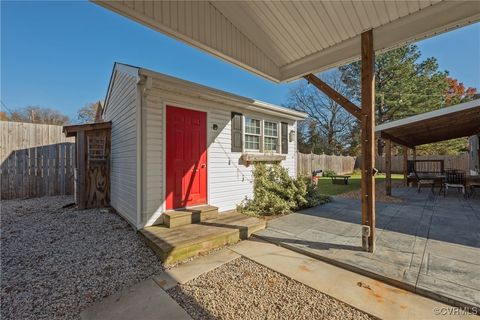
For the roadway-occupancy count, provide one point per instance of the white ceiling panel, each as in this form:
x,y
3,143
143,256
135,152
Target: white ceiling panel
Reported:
x,y
284,40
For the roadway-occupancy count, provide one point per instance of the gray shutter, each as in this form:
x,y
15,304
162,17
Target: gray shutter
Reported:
x,y
237,136
284,138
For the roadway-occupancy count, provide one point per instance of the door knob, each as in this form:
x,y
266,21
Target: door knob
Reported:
x,y
203,165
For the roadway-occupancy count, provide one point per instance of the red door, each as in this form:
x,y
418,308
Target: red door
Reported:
x,y
186,167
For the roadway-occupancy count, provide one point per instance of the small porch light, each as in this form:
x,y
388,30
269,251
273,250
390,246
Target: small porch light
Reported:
x,y
291,136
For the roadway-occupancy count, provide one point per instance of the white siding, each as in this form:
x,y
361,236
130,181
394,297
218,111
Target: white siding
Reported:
x,y
152,126
228,181
121,110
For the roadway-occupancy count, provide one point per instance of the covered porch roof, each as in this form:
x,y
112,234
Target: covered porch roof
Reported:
x,y
461,120
285,40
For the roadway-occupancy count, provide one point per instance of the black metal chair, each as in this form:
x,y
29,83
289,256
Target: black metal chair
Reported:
x,y
454,179
424,182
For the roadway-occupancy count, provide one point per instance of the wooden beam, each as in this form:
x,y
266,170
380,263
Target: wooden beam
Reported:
x,y
334,95
388,167
368,139
401,142
405,166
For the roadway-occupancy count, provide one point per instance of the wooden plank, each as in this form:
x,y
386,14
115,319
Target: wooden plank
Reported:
x,y
307,162
388,166
68,169
334,95
27,172
56,182
368,139
81,170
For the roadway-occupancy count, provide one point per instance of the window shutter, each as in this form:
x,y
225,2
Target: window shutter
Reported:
x,y
237,135
284,139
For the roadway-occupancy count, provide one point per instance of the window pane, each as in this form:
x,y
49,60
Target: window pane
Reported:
x,y
270,144
252,126
270,129
252,142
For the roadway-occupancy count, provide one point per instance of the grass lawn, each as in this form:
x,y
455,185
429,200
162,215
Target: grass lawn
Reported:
x,y
354,183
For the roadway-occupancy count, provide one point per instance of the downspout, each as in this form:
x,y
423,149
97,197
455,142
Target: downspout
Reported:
x,y
144,83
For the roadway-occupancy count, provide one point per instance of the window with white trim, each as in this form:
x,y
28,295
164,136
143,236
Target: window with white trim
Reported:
x,y
261,135
270,136
252,134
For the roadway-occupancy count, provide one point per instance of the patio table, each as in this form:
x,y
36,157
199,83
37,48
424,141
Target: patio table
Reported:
x,y
472,181
437,178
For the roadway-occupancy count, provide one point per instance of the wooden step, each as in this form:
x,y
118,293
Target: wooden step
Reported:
x,y
180,217
183,242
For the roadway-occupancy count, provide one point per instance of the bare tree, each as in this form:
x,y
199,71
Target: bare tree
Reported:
x,y
90,113
329,126
39,115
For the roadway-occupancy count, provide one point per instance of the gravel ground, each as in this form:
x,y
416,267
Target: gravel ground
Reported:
x,y
243,289
54,261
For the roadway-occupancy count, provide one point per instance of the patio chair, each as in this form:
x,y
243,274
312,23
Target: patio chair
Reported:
x,y
472,192
424,182
454,179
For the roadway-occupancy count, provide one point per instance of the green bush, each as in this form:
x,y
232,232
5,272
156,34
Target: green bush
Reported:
x,y
275,192
329,173
313,196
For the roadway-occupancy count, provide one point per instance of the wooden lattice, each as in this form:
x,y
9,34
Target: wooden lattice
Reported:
x,y
96,148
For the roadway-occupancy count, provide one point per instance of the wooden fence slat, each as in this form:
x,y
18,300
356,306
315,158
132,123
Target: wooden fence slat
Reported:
x,y
459,162
306,163
35,160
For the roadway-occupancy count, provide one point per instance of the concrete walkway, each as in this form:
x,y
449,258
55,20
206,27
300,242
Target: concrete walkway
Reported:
x,y
366,294
148,300
427,244
145,300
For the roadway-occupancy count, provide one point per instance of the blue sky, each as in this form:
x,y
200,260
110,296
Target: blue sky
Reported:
x,y
60,54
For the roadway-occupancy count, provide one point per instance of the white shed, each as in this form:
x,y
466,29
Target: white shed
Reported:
x,y
179,144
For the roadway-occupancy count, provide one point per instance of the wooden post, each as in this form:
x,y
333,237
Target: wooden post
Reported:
x,y
81,168
368,137
414,153
405,166
388,167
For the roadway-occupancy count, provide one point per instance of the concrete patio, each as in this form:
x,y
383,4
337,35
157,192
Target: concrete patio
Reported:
x,y
427,244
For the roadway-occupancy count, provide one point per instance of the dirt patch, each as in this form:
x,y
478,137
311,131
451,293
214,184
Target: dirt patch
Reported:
x,y
380,194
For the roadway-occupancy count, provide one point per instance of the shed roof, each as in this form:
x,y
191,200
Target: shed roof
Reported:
x,y
192,89
284,40
461,120
71,131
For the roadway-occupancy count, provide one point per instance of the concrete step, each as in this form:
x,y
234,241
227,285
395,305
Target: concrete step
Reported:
x,y
182,242
181,217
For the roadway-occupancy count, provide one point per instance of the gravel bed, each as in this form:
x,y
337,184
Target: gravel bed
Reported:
x,y
242,289
54,261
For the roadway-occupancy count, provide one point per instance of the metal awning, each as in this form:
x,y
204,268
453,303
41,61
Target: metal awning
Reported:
x,y
461,120
285,40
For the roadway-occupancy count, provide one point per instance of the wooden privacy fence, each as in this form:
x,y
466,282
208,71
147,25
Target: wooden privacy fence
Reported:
x,y
36,160
459,162
306,163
